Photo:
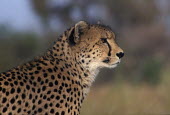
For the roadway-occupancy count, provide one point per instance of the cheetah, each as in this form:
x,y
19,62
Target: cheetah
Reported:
x,y
57,82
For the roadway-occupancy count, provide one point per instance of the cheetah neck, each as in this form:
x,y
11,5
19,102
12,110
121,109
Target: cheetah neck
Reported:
x,y
87,74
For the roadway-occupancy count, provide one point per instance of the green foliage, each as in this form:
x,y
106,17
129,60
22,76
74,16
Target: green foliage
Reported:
x,y
17,48
122,98
25,44
151,71
40,7
132,12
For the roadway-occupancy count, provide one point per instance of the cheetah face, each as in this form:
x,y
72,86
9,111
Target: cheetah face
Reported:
x,y
95,46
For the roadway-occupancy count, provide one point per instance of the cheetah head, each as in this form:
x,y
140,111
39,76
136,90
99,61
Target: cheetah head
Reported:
x,y
94,46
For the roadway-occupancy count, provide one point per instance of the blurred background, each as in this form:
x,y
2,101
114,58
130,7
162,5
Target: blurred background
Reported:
x,y
139,85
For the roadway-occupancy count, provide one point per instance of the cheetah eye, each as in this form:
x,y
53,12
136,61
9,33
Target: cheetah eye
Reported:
x,y
104,40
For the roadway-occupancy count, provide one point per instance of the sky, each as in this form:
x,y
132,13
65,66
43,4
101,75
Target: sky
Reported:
x,y
19,15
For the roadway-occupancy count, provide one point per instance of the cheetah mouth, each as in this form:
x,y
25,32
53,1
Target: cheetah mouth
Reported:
x,y
116,63
108,60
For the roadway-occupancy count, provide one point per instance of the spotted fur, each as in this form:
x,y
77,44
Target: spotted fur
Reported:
x,y
57,82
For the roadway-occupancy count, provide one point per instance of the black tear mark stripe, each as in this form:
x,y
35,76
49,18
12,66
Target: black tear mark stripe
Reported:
x,y
109,53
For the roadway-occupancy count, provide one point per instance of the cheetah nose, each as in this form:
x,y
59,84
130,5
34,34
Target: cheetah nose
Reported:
x,y
120,54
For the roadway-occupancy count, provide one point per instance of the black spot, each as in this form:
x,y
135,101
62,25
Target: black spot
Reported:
x,y
48,92
42,82
36,72
16,82
46,81
33,89
23,96
39,90
68,110
4,110
55,90
51,84
44,97
57,97
26,104
52,77
51,104
52,96
32,77
29,112
44,88
82,61
30,96
50,70
30,73
45,74
12,100
38,79
56,113
46,106
64,96
75,102
59,76
18,90
33,107
19,102
9,79
19,110
33,101
21,83
57,105
35,112
19,77
61,101
61,69
34,83
27,87
52,111
68,72
71,100
60,87
66,105
62,113
11,84
39,68
6,83
4,100
85,74
66,85
1,79
13,107
36,97
40,110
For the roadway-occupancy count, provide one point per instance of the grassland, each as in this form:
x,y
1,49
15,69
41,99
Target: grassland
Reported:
x,y
122,98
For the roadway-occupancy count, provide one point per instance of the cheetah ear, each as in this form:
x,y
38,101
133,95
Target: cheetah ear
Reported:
x,y
76,32
79,29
